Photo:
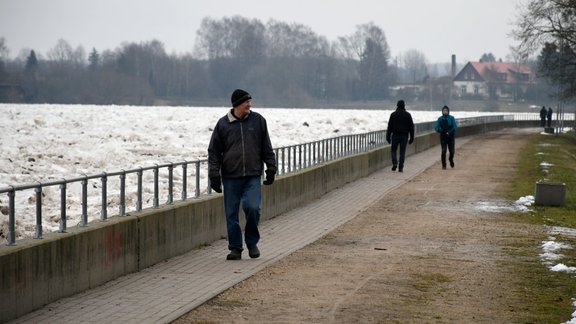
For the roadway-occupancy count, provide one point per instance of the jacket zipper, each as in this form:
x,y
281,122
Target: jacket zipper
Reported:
x,y
243,150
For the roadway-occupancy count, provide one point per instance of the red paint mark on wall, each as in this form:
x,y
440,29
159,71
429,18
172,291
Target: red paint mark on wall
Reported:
x,y
113,247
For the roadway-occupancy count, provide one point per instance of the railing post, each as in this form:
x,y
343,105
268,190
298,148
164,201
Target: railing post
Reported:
x,y
294,158
84,218
170,184
184,180
289,159
283,160
104,210
299,156
156,202
332,140
309,154
62,228
334,148
197,192
139,190
38,190
122,205
11,218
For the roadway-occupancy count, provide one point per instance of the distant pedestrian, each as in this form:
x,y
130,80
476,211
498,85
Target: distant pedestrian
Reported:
x,y
543,113
399,133
239,148
549,116
446,126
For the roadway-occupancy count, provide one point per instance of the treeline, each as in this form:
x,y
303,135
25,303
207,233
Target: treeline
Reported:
x,y
284,64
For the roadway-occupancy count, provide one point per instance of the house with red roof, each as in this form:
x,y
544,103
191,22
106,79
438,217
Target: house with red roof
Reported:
x,y
493,80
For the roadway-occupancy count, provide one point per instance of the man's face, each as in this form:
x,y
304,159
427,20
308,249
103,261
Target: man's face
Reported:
x,y
444,112
243,109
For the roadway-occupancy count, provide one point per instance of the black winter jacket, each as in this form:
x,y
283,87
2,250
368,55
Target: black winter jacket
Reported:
x,y
400,123
239,147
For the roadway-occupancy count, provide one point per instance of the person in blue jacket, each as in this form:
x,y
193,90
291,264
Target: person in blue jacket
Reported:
x,y
239,148
446,127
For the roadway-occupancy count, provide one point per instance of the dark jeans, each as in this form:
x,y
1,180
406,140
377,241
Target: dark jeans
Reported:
x,y
246,190
399,140
447,143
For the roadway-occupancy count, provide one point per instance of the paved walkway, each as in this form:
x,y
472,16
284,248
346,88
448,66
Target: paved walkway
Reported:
x,y
166,291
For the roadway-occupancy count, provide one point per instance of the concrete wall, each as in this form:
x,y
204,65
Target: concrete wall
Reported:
x,y
36,272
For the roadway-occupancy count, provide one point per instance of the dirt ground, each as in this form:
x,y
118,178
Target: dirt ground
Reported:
x,y
432,250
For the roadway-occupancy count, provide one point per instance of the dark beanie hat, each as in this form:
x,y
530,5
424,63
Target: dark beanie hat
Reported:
x,y
400,104
239,96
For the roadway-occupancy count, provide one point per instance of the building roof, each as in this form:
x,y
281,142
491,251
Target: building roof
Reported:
x,y
496,72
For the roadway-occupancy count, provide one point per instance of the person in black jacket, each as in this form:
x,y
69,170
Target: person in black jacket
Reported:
x,y
400,131
543,113
239,147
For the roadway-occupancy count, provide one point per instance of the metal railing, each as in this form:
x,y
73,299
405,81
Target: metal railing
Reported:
x,y
170,179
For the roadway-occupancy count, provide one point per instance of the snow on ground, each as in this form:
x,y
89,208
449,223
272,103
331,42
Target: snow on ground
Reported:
x,y
552,248
51,142
552,255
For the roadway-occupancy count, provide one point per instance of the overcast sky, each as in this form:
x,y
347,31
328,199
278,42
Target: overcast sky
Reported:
x,y
438,28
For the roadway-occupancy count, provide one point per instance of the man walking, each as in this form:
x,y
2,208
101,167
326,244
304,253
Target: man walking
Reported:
x,y
239,148
446,126
543,113
400,131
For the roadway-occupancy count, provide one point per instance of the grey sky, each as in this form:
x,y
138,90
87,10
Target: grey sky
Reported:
x,y
438,28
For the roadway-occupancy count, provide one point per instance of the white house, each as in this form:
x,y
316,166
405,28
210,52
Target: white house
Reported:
x,y
493,80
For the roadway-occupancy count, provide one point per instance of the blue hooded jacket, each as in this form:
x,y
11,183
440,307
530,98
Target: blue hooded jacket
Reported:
x,y
446,125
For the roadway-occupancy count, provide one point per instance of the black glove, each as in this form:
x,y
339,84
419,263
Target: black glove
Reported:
x,y
388,140
216,184
269,177
411,141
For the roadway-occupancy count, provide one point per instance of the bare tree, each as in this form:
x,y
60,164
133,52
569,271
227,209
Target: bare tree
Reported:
x,y
293,40
369,47
64,59
231,37
354,46
546,21
139,59
233,46
550,25
61,53
414,62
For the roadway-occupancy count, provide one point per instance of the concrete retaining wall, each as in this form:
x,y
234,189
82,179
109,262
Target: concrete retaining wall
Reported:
x,y
37,272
